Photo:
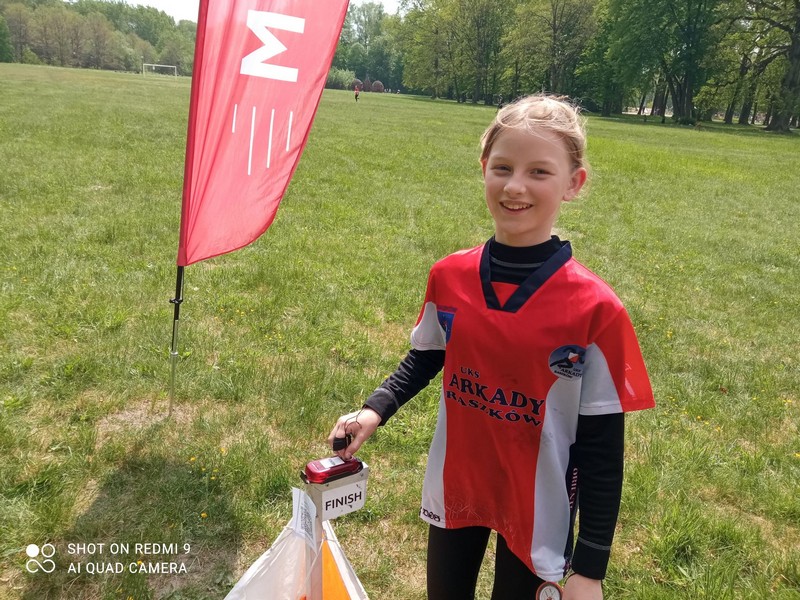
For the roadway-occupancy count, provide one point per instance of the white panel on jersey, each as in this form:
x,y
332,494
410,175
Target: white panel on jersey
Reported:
x,y
428,334
551,500
598,392
433,488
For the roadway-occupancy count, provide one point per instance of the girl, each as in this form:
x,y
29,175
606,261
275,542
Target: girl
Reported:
x,y
540,363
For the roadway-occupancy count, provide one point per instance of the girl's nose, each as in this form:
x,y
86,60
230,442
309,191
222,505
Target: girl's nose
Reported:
x,y
514,187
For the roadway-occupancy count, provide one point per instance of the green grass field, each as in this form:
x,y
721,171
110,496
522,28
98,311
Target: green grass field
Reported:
x,y
696,229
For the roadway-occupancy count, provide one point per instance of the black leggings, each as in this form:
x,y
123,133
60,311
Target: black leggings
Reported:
x,y
455,557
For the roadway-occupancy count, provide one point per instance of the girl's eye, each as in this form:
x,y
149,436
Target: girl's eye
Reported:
x,y
539,172
501,168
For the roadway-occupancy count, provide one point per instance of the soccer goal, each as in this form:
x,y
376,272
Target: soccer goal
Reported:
x,y
159,69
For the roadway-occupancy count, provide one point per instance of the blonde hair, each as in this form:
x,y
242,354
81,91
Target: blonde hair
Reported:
x,y
541,112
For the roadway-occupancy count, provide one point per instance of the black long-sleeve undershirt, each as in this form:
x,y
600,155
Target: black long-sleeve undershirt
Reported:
x,y
599,448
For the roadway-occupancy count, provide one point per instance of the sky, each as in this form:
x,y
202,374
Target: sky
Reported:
x,y
187,9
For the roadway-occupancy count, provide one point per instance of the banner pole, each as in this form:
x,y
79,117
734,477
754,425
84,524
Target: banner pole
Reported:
x,y
173,354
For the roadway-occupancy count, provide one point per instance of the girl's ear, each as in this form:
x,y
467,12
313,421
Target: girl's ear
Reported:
x,y
576,182
483,162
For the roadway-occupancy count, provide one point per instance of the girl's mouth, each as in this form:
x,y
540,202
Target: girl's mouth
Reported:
x,y
515,206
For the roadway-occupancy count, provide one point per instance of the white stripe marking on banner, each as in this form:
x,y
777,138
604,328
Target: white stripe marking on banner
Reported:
x,y
252,132
269,143
233,123
289,133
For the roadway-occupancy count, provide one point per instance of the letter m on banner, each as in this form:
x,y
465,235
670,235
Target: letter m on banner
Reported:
x,y
260,67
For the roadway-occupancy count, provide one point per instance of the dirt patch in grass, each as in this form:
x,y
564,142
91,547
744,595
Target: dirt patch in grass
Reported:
x,y
141,415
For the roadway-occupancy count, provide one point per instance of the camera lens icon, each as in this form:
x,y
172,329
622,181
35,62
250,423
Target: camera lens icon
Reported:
x,y
47,551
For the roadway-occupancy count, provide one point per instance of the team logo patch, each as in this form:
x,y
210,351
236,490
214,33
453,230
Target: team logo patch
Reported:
x,y
566,362
446,321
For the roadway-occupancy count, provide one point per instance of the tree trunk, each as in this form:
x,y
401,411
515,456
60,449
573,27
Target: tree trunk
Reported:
x,y
729,114
677,102
790,87
744,67
684,111
744,112
659,99
515,80
435,90
748,103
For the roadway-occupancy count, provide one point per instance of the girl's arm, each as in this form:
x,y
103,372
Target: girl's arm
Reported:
x,y
599,452
414,373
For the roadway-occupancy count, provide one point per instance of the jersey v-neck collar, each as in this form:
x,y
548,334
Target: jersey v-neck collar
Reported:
x,y
528,287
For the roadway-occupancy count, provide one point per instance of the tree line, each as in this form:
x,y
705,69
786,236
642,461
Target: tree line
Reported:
x,y
687,59
695,59
93,34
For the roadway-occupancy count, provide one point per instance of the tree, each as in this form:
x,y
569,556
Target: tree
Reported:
x,y
676,36
346,38
379,60
77,33
392,70
368,44
524,54
742,49
479,28
177,50
423,44
18,18
6,50
147,22
59,25
600,73
357,59
50,34
99,37
339,79
95,33
560,30
782,18
143,51
42,42
366,20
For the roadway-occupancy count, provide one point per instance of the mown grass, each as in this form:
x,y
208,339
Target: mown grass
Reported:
x,y
695,228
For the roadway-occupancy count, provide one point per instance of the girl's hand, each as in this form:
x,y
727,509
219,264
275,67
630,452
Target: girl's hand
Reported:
x,y
579,587
360,425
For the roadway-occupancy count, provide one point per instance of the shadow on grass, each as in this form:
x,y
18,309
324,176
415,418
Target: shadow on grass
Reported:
x,y
155,529
700,126
450,101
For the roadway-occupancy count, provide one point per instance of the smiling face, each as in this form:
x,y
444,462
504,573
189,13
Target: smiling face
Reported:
x,y
527,175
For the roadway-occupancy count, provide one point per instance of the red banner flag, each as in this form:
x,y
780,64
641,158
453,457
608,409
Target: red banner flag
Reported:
x,y
260,67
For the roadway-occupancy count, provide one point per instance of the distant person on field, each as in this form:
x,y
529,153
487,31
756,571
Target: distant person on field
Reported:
x,y
540,362
356,91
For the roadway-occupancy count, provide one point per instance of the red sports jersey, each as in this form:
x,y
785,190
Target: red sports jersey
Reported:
x,y
521,363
